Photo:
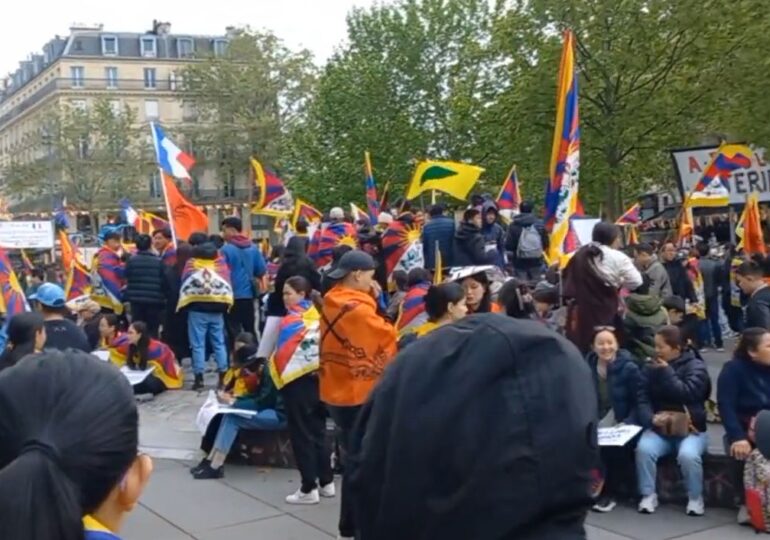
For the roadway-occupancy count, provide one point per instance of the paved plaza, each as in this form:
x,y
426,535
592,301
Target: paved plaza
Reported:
x,y
249,501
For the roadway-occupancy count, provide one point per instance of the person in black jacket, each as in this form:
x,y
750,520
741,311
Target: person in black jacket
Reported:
x,y
526,265
468,247
294,262
681,285
439,229
499,401
750,278
146,285
677,381
616,380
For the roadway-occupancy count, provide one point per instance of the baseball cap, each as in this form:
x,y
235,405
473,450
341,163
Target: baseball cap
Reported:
x,y
50,294
336,213
762,433
352,261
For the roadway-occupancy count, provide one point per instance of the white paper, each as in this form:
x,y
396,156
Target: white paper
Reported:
x,y
617,435
134,376
103,355
213,407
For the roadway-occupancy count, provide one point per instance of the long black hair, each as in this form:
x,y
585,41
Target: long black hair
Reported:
x,y
438,298
513,297
22,331
139,351
485,306
68,435
751,339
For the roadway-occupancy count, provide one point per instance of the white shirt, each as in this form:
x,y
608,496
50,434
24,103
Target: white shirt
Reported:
x,y
618,269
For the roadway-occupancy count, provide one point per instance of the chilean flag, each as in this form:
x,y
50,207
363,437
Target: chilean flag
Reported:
x,y
171,159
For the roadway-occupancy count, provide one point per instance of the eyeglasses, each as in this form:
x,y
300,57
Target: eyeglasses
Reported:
x,y
598,329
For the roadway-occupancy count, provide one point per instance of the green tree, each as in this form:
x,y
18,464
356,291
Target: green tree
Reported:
x,y
91,155
245,101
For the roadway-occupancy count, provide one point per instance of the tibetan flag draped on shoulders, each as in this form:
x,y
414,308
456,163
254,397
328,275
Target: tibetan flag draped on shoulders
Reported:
x,y
304,210
632,216
11,294
206,281
186,218
509,197
412,310
159,356
694,273
296,351
712,189
402,247
749,228
108,280
450,177
78,286
372,202
329,236
561,198
268,187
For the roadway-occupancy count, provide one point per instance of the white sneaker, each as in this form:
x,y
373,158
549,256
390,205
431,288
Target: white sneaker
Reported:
x,y
695,507
743,515
303,498
328,491
648,504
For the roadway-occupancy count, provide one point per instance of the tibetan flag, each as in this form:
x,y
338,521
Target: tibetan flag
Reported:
x,y
108,280
171,160
78,284
450,177
12,298
296,351
712,188
159,357
185,217
402,248
28,266
749,228
304,210
632,216
68,251
438,272
510,195
561,197
359,215
267,186
693,272
686,226
633,236
150,222
329,236
372,203
412,309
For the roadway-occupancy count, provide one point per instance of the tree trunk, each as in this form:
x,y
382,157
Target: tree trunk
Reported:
x,y
613,191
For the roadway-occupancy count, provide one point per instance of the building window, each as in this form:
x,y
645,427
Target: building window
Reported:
x,y
185,47
173,80
149,78
149,47
109,46
111,76
78,76
78,104
220,47
156,191
116,107
151,109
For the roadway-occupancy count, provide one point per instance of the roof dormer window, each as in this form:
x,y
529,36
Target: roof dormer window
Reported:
x,y
109,46
149,46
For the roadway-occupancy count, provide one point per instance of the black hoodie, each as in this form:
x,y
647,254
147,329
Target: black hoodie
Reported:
x,y
468,248
464,437
518,224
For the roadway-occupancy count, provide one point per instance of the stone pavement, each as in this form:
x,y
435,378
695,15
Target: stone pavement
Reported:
x,y
249,502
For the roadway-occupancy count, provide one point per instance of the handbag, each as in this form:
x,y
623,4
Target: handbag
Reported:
x,y
675,423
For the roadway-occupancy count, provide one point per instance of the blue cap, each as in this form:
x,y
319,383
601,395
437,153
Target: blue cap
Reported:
x,y
50,294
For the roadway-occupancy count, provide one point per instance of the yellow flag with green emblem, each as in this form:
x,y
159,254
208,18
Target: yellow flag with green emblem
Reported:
x,y
450,177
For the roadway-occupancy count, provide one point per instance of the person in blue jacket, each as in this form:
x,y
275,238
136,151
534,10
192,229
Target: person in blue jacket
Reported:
x,y
247,266
616,380
439,230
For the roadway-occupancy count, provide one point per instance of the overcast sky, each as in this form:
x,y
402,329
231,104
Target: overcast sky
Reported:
x,y
319,25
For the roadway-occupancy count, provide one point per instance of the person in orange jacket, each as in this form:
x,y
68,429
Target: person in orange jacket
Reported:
x,y
357,343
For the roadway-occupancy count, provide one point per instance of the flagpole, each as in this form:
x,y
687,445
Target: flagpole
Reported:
x,y
513,169
731,218
163,187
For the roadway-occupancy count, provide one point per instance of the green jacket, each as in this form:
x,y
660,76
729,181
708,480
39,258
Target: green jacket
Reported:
x,y
644,316
265,396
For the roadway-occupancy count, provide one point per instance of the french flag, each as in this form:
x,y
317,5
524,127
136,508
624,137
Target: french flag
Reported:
x,y
171,159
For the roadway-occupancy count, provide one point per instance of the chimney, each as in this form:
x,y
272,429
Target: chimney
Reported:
x,y
160,28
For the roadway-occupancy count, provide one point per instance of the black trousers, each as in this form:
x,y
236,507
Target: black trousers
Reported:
x,y
149,314
151,385
239,319
306,416
345,418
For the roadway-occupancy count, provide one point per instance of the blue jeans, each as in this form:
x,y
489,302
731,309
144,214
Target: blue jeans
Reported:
x,y
689,451
712,331
200,326
267,420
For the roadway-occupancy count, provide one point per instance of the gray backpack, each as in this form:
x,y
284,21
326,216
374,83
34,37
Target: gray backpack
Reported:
x,y
530,244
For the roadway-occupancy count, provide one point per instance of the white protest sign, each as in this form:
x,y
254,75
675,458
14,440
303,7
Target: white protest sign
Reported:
x,y
136,376
689,164
584,228
213,407
103,355
617,435
26,234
